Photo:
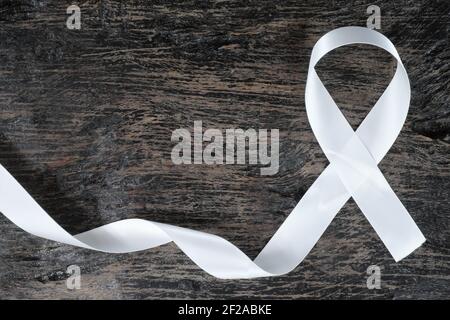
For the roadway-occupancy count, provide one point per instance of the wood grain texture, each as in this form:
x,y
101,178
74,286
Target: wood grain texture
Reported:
x,y
86,119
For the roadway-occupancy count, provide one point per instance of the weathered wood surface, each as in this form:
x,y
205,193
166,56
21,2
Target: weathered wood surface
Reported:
x,y
86,119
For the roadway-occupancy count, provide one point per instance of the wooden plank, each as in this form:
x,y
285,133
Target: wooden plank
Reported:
x,y
87,115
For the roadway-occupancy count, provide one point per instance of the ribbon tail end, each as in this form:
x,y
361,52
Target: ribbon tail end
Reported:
x,y
412,248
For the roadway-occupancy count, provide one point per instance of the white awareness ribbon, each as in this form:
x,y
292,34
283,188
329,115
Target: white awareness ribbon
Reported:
x,y
352,172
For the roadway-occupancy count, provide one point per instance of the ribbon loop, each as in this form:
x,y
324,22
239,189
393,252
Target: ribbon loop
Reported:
x,y
350,156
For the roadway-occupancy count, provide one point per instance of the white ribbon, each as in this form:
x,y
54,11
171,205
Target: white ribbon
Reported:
x,y
352,172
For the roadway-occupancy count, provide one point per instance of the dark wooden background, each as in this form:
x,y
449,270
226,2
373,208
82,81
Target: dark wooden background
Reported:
x,y
86,119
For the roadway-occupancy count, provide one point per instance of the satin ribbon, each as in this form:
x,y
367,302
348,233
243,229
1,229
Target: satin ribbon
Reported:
x,y
352,172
